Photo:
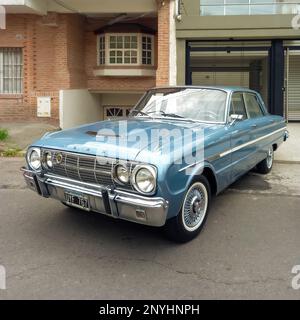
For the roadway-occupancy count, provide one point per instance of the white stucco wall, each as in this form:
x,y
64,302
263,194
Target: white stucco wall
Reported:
x,y
78,107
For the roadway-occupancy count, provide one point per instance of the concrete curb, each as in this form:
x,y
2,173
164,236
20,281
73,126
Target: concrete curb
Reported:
x,y
287,161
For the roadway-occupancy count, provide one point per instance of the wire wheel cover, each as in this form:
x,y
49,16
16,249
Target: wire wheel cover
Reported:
x,y
195,206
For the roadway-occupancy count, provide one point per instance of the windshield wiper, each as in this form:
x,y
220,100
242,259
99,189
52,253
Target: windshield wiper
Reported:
x,y
163,113
172,115
140,112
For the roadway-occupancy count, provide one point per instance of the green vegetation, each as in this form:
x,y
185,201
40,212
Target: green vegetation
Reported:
x,y
15,152
3,134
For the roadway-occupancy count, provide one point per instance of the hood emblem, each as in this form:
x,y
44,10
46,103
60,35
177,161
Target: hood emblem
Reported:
x,y
102,134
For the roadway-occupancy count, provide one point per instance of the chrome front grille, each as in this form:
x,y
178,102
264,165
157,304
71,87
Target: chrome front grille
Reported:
x,y
90,169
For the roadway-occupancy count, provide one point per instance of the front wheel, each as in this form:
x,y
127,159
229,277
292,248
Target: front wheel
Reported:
x,y
192,216
266,165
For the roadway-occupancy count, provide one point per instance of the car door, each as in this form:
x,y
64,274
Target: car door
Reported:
x,y
242,151
260,124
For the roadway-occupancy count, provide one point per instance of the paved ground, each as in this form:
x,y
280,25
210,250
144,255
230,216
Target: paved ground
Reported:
x,y
247,250
290,151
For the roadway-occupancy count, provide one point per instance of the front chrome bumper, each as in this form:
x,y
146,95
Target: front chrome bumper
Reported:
x,y
114,203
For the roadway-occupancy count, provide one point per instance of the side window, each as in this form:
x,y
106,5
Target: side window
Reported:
x,y
252,105
238,105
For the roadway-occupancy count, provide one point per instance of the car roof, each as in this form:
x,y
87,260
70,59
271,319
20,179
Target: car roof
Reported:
x,y
223,88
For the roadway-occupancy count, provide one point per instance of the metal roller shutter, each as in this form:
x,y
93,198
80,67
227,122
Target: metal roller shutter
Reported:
x,y
294,88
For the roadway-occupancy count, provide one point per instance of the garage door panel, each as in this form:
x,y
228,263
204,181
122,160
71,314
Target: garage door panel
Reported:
x,y
240,79
294,88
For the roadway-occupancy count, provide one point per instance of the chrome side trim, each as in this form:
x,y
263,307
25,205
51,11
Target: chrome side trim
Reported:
x,y
190,165
220,155
249,143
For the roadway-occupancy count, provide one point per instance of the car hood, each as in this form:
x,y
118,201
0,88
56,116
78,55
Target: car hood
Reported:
x,y
130,138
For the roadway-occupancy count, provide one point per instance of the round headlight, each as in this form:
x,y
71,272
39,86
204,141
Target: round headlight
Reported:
x,y
144,179
48,159
122,174
34,158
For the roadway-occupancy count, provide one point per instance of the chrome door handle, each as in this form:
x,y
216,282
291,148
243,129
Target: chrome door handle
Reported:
x,y
254,126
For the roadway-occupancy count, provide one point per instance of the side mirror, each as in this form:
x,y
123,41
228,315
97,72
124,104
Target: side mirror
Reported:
x,y
235,117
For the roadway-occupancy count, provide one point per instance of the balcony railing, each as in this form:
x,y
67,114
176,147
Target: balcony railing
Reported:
x,y
248,7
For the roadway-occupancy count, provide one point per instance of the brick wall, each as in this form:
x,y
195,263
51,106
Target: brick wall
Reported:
x,y
59,52
162,74
53,59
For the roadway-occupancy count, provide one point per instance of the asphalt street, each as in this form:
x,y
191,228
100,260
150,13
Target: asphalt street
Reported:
x,y
247,249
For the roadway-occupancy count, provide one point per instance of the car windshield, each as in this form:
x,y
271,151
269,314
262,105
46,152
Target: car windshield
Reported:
x,y
202,104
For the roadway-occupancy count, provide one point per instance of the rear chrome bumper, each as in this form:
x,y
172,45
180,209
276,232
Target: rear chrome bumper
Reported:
x,y
286,135
114,203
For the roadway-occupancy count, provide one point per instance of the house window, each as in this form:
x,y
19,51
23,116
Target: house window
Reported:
x,y
147,50
111,112
134,49
123,49
246,7
101,47
11,71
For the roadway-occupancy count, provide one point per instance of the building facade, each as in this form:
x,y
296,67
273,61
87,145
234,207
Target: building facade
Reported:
x,y
71,62
248,43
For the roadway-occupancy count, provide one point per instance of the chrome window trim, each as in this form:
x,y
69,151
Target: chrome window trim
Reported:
x,y
258,103
230,101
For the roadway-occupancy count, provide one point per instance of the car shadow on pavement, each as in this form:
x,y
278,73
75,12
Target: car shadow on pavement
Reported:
x,y
105,228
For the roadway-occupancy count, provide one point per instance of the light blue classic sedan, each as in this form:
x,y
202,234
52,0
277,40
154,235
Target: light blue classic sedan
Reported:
x,y
160,165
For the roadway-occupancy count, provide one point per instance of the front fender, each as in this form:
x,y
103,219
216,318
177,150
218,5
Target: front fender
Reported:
x,y
175,182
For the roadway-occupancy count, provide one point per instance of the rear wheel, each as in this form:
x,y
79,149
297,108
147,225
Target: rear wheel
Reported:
x,y
266,165
192,216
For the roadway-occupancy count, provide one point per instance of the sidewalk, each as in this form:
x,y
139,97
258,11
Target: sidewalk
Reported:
x,y
21,135
289,151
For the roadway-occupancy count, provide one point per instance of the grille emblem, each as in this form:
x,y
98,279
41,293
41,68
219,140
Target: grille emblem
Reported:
x,y
59,158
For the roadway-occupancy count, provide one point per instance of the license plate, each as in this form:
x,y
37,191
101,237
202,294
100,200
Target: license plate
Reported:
x,y
77,200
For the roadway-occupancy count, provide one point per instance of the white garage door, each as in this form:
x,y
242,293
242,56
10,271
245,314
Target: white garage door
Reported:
x,y
240,79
